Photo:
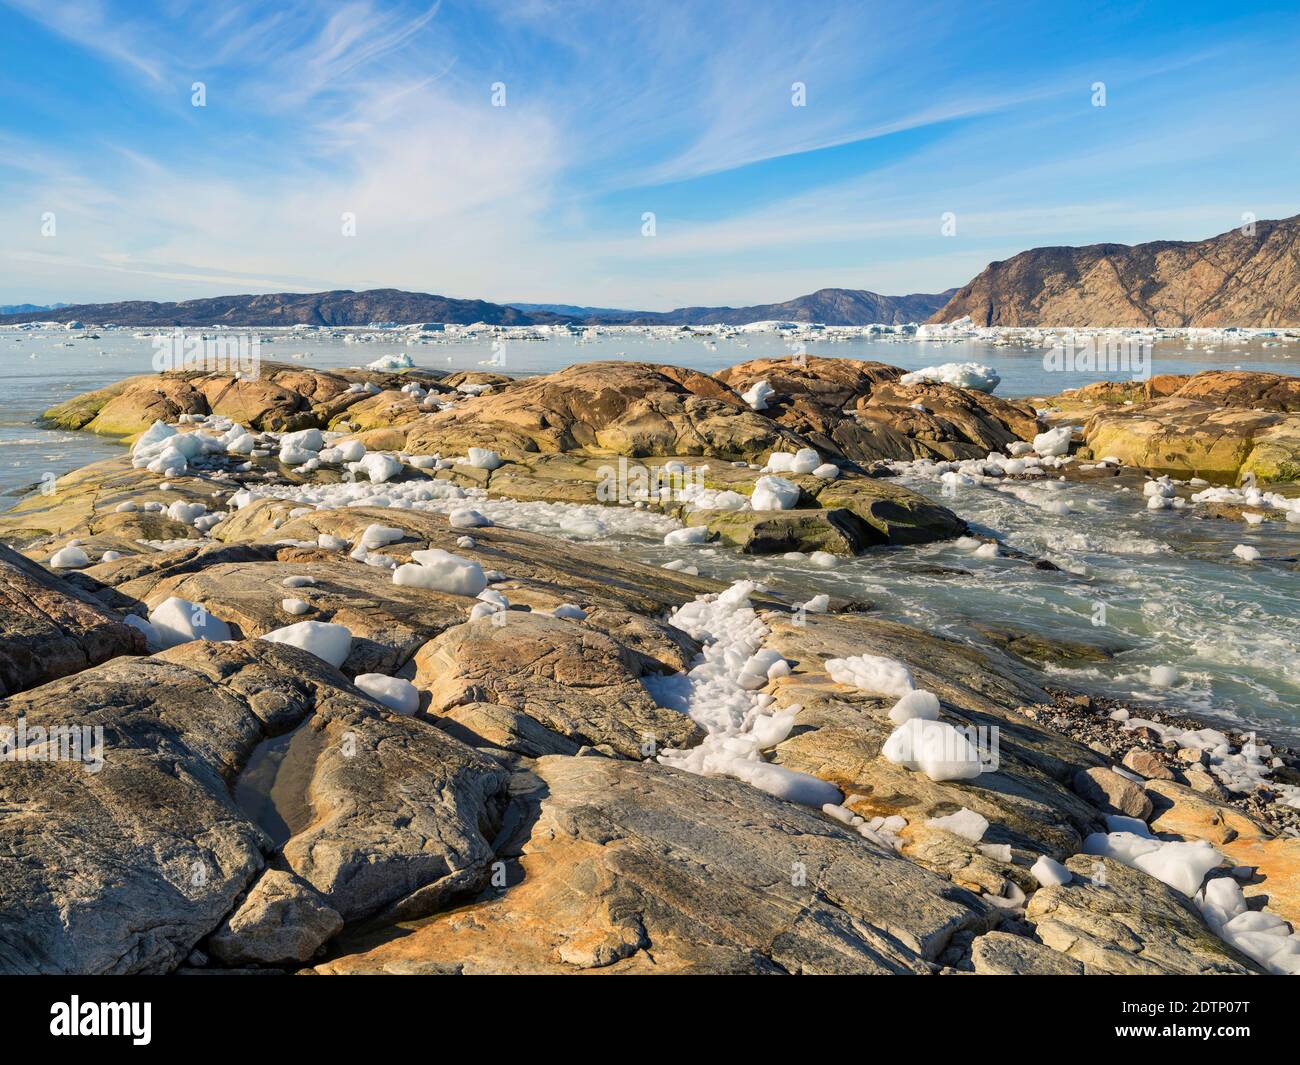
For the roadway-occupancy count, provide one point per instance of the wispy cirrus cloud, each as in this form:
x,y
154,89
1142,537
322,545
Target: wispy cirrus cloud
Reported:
x,y
384,110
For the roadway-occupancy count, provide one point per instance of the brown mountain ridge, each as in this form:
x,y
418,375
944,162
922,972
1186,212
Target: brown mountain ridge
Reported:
x,y
1236,278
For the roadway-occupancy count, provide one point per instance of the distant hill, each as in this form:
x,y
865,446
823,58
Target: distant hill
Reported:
x,y
343,307
830,306
1232,279
29,308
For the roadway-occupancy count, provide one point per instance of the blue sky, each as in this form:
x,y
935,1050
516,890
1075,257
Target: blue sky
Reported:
x,y
385,111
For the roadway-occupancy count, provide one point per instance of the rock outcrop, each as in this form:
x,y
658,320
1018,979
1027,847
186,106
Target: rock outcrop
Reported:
x,y
48,628
1221,425
392,811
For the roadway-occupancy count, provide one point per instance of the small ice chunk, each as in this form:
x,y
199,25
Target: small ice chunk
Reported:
x,y
331,643
176,621
965,823
914,704
467,518
294,606
70,558
871,673
483,459
1054,442
398,695
774,493
697,534
1246,553
441,571
1049,872
758,394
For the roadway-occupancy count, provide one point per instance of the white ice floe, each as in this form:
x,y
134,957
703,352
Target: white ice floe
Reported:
x,y
965,823
774,493
871,673
973,375
330,643
70,558
934,748
398,695
1049,872
758,394
400,361
176,621
441,571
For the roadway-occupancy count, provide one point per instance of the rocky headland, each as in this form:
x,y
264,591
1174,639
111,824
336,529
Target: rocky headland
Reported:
x,y
378,692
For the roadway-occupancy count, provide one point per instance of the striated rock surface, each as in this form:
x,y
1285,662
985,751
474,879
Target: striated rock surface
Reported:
x,y
1121,922
48,628
635,868
389,812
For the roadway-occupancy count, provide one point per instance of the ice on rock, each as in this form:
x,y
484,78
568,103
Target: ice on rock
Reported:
x,y
185,513
1180,865
971,375
758,394
400,696
774,493
934,748
1246,553
965,823
331,543
915,704
298,581
176,621
697,534
377,536
126,508
779,462
1049,872
818,604
483,459
330,643
806,460
571,611
467,518
294,606
379,467
719,694
441,571
306,439
1054,442
827,471
398,361
871,673
110,556
70,558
